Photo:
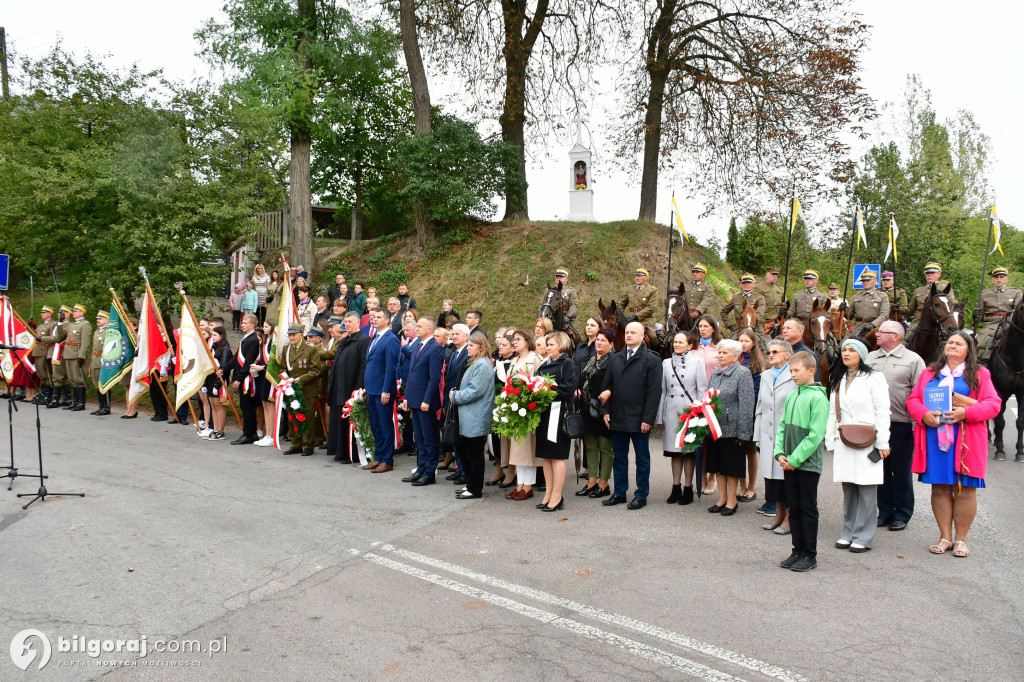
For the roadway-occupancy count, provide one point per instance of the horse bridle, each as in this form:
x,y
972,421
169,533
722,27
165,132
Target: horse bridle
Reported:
x,y
940,330
548,298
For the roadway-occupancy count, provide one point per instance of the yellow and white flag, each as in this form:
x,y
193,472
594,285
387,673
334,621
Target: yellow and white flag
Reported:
x,y
861,237
996,226
286,313
894,231
794,214
679,221
194,362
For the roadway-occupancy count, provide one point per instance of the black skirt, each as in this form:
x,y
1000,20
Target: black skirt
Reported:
x,y
545,448
725,456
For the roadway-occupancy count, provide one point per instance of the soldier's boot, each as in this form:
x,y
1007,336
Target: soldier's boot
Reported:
x,y
104,405
66,400
43,396
55,398
79,403
99,403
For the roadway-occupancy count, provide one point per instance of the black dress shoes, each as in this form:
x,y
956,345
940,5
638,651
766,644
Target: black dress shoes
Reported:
x,y
898,525
585,490
289,451
452,476
636,503
424,480
883,521
307,452
245,440
411,478
614,500
598,492
459,480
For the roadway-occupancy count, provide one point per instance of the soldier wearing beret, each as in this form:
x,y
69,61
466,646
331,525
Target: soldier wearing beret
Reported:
x,y
98,340
77,347
897,297
731,311
698,294
41,354
993,307
641,303
870,307
803,301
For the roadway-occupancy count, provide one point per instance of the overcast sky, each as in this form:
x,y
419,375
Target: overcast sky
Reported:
x,y
968,58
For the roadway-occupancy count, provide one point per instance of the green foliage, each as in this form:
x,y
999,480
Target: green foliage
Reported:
x,y
731,244
455,172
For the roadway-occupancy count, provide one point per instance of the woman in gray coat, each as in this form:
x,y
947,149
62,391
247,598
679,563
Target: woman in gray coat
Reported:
x,y
683,381
776,384
727,456
475,400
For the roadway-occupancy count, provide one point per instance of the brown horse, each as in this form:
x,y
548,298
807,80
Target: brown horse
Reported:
x,y
819,337
677,312
551,308
615,319
940,317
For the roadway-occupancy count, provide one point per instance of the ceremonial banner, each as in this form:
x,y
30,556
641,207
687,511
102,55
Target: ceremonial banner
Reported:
x,y
679,221
894,232
14,332
118,348
794,214
151,347
193,361
861,237
286,313
997,232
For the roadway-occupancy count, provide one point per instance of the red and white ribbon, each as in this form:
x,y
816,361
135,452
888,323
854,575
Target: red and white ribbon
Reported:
x,y
279,397
346,413
704,409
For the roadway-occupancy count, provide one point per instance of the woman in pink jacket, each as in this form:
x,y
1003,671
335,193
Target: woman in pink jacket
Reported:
x,y
951,455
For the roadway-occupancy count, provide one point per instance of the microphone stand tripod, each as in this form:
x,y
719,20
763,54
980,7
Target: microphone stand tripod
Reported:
x,y
12,471
43,493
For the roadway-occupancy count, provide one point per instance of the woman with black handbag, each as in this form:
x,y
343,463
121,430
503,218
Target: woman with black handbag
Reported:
x,y
596,439
683,381
553,443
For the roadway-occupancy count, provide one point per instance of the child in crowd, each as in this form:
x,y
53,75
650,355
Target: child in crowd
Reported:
x,y
800,449
250,301
236,307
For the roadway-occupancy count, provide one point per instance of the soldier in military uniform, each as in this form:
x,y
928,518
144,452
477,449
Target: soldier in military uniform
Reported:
x,y
897,297
772,293
803,301
302,363
641,303
735,305
61,394
76,354
993,307
41,353
315,340
932,275
837,300
698,294
570,303
869,307
98,340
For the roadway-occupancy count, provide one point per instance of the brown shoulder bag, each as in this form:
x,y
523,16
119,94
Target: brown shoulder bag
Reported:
x,y
854,435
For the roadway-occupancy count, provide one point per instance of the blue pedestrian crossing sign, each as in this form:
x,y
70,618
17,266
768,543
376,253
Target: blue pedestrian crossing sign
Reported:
x,y
858,269
5,271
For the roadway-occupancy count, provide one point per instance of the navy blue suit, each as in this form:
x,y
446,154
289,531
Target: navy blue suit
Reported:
x,y
404,358
380,377
422,386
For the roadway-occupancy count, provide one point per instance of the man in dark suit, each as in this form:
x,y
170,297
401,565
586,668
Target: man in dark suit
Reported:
x,y
346,377
410,343
423,396
248,352
629,402
380,377
452,374
395,313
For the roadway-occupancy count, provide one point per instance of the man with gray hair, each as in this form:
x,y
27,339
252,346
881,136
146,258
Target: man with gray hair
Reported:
x,y
901,368
452,373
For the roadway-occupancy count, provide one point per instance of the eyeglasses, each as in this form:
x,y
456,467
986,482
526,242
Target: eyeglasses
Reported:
x,y
776,352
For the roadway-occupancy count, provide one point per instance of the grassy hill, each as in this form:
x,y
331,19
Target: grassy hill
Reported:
x,y
502,268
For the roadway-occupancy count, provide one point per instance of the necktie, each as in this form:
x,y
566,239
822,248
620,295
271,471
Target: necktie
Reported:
x,y
629,355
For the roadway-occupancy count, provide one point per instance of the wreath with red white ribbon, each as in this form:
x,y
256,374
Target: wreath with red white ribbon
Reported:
x,y
698,422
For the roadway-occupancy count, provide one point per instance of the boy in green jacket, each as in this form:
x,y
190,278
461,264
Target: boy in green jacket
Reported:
x,y
800,449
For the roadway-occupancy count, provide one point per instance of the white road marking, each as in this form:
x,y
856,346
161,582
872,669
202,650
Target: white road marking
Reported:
x,y
612,618
665,658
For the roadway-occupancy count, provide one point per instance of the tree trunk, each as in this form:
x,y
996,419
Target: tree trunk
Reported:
x,y
420,103
300,205
357,208
513,123
658,68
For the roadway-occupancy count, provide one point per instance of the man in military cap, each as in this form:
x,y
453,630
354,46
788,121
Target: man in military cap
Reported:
x,y
870,307
772,293
897,297
77,348
41,353
641,302
60,396
932,275
302,363
993,306
833,295
98,339
315,339
803,301
698,294
731,311
570,302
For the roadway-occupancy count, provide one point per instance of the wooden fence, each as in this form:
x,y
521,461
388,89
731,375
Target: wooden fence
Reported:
x,y
274,234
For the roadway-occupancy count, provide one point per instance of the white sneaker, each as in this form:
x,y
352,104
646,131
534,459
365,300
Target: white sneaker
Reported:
x,y
202,423
264,442
205,433
259,433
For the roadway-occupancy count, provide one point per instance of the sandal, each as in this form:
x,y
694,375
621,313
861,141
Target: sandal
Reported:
x,y
941,547
961,550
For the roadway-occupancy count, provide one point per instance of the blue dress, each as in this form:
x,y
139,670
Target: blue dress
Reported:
x,y
941,465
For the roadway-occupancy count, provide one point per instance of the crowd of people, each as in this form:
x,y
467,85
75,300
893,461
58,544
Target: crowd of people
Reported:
x,y
430,385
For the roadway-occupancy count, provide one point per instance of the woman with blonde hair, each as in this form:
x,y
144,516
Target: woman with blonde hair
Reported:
x,y
260,280
552,442
522,452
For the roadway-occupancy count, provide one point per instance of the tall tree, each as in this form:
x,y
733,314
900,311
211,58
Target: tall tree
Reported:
x,y
421,103
747,92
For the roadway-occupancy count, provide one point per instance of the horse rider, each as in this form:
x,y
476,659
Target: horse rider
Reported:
x,y
641,303
772,293
897,297
932,275
698,294
803,301
735,304
994,305
837,300
869,307
570,302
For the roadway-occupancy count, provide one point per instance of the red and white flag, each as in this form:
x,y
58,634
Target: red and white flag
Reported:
x,y
151,347
14,332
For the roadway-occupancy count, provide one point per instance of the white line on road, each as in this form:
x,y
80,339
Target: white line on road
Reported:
x,y
665,658
613,618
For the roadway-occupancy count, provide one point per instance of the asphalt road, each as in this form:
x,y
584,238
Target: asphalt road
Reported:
x,y
304,569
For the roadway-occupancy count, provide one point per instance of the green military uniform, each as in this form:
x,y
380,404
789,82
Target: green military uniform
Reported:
x,y
320,408
803,301
41,354
58,376
570,310
699,294
773,298
868,307
993,306
897,297
922,293
641,301
303,363
734,307
98,340
77,349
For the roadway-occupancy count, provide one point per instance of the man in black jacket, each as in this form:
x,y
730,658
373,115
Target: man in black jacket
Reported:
x,y
248,352
629,403
346,376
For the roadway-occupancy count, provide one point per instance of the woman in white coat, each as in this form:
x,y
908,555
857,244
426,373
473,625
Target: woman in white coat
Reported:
x,y
863,397
776,384
683,381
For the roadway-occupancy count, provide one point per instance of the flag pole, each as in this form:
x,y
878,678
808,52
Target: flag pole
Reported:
x,y
668,277
209,354
191,408
849,260
789,248
984,269
160,320
895,289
